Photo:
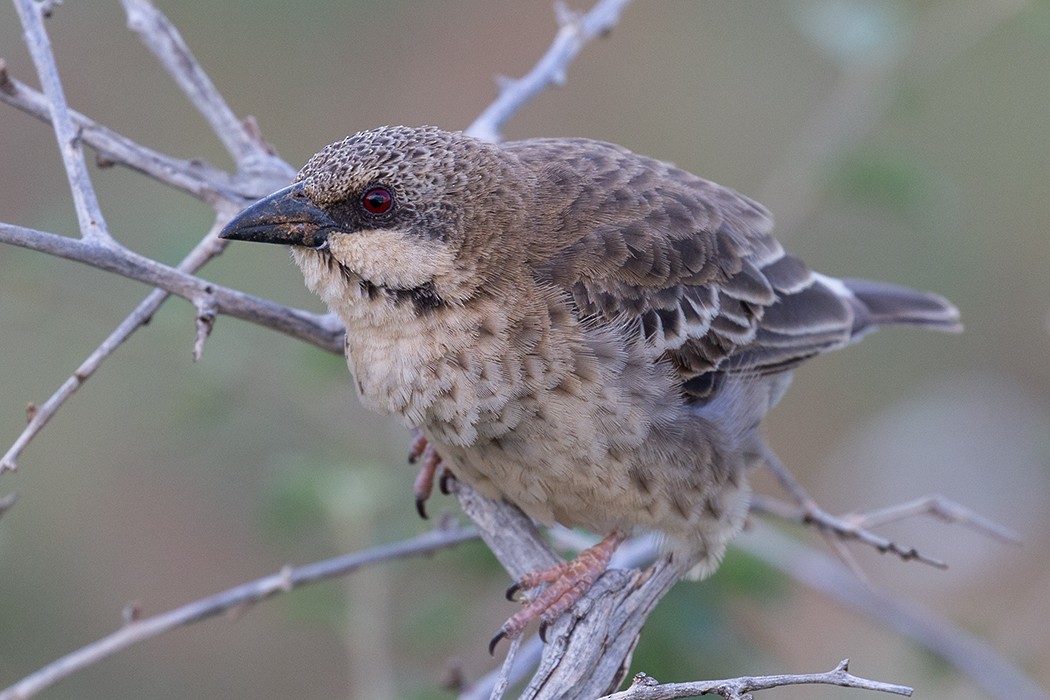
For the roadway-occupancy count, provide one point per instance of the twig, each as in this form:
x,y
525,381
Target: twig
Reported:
x,y
141,315
737,688
164,40
808,512
988,669
574,34
92,225
317,329
499,689
939,507
238,598
195,177
320,330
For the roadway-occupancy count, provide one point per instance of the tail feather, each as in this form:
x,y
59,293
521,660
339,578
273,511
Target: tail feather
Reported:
x,y
879,304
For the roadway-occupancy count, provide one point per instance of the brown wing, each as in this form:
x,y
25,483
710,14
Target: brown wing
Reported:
x,y
692,264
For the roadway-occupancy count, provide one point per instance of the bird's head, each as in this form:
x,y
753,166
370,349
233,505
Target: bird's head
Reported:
x,y
402,209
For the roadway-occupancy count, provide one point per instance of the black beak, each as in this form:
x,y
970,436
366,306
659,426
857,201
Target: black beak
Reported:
x,y
287,217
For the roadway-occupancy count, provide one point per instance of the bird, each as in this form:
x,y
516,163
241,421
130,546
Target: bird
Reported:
x,y
590,334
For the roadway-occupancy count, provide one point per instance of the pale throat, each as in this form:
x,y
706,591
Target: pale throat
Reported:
x,y
400,356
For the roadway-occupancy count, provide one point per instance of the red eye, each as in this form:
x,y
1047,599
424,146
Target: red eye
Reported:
x,y
377,200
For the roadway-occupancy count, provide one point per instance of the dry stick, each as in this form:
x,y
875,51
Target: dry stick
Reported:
x,y
236,599
815,570
195,177
92,225
200,254
839,527
320,330
574,33
977,660
644,688
588,650
164,40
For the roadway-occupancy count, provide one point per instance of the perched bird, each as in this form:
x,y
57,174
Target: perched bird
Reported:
x,y
588,333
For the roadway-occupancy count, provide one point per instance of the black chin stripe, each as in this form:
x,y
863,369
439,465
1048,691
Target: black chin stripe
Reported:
x,y
423,298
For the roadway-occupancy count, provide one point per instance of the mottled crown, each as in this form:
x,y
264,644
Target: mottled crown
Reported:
x,y
424,156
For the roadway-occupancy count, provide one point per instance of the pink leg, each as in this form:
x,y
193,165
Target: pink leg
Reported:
x,y
567,583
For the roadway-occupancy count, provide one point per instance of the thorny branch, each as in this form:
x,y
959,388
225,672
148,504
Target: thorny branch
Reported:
x,y
575,32
620,601
646,688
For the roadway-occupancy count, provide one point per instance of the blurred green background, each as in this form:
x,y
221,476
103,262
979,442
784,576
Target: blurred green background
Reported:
x,y
904,141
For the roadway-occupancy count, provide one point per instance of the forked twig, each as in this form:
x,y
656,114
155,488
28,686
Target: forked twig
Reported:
x,y
89,215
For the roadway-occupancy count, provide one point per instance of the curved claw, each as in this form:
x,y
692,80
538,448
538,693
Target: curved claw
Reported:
x,y
424,484
513,591
444,482
495,640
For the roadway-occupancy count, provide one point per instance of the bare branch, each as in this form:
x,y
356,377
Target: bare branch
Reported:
x,y
618,604
996,676
809,513
939,507
323,330
239,598
575,33
317,329
195,177
92,225
164,40
644,687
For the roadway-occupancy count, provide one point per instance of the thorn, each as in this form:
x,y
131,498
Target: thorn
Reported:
x,y
643,680
205,322
564,14
131,612
6,85
47,7
287,582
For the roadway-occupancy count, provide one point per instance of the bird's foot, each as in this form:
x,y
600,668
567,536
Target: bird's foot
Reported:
x,y
430,463
567,582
